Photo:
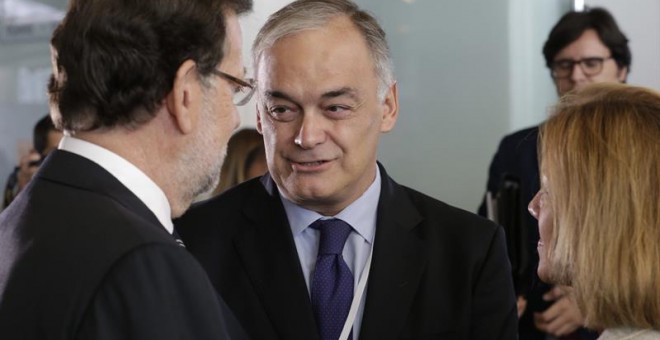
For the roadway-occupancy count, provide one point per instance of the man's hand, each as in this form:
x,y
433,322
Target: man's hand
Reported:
x,y
27,168
522,305
563,317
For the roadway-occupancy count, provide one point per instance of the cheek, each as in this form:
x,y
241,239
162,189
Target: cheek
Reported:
x,y
278,136
563,83
546,226
612,76
270,143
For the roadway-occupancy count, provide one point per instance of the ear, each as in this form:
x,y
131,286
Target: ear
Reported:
x,y
184,101
390,109
623,74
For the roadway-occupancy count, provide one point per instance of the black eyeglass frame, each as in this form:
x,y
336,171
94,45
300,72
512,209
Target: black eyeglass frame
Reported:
x,y
248,83
569,69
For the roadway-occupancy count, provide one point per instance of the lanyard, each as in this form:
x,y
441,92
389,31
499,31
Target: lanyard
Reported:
x,y
357,298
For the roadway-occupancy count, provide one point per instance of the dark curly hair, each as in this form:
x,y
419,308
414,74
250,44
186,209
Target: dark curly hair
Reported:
x,y
117,59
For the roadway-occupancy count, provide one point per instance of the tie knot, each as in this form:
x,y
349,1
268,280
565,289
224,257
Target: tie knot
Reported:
x,y
334,233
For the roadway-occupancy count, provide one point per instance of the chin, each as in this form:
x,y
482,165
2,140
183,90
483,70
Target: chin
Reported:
x,y
553,275
543,274
310,195
306,186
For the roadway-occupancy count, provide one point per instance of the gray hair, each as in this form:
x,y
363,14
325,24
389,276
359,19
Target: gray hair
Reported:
x,y
304,15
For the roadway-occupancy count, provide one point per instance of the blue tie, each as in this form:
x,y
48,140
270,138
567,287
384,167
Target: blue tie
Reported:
x,y
332,282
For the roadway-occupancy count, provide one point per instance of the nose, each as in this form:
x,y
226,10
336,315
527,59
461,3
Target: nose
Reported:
x,y
311,132
577,75
533,206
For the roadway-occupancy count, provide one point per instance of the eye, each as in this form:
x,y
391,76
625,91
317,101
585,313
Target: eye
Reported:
x,y
337,108
338,111
564,64
282,113
592,62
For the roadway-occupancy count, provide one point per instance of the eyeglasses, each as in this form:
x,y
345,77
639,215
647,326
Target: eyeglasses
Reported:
x,y
563,68
243,92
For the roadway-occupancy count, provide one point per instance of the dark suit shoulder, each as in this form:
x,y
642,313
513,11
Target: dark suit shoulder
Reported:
x,y
529,133
160,285
56,216
455,260
215,215
58,243
439,214
233,197
520,142
210,228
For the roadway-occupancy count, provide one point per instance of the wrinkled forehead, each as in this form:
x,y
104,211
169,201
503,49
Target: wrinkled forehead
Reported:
x,y
323,59
271,35
337,43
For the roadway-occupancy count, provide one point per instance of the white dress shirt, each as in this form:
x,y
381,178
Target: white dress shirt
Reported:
x,y
361,215
128,174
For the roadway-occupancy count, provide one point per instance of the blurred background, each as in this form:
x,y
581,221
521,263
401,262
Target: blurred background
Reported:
x,y
469,71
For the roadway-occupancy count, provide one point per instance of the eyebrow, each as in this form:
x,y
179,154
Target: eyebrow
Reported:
x,y
579,59
344,91
278,95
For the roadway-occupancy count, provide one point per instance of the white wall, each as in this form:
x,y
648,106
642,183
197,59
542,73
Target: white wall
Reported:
x,y
532,90
22,98
250,25
469,71
640,21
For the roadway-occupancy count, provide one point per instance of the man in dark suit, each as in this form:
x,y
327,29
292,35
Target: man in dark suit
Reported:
x,y
145,93
327,245
582,48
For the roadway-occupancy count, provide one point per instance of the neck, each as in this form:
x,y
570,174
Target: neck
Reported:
x,y
148,148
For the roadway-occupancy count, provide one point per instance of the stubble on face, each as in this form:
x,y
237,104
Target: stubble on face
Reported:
x,y
200,166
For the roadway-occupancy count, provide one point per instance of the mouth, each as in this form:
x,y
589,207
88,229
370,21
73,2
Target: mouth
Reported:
x,y
311,166
310,163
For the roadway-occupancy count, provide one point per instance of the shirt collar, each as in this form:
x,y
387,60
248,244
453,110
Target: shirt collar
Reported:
x,y
361,214
128,174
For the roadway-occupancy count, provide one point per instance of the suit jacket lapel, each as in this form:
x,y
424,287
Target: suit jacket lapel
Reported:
x,y
397,265
271,261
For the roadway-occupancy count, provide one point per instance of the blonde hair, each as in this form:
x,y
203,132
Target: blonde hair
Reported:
x,y
242,144
601,154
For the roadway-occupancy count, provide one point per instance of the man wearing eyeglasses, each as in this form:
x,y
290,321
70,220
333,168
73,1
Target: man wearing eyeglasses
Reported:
x,y
582,48
146,93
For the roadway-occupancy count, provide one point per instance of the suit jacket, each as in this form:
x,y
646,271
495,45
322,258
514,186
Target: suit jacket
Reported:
x,y
437,272
81,257
517,156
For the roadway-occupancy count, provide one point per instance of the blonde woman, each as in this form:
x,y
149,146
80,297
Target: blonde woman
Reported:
x,y
599,207
245,159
